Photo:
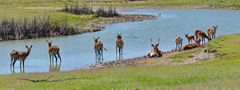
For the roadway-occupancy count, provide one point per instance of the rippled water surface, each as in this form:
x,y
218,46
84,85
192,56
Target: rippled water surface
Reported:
x,y
77,51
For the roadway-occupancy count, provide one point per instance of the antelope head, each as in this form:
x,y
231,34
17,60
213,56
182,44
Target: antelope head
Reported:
x,y
155,45
49,43
119,36
96,39
215,27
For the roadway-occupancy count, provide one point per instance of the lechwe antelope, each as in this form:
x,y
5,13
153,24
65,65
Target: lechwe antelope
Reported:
x,y
179,42
119,47
190,38
98,47
199,33
53,51
19,55
155,52
212,32
192,45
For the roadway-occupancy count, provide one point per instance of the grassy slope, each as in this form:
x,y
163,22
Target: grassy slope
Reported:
x,y
220,73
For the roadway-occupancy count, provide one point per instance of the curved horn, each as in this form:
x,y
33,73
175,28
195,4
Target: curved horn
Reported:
x,y
158,40
151,40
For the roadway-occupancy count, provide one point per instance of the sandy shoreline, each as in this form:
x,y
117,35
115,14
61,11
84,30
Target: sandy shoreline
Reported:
x,y
166,59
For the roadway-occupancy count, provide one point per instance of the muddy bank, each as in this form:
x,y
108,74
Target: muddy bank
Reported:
x,y
98,25
196,57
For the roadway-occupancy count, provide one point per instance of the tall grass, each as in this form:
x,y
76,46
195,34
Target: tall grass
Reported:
x,y
109,12
79,10
35,27
87,10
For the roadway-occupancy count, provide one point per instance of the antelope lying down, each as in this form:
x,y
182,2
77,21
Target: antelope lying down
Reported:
x,y
155,52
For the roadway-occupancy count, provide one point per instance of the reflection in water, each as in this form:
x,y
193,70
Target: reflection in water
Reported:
x,y
54,67
12,70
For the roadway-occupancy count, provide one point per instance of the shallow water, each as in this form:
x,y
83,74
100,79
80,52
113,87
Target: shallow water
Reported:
x,y
77,51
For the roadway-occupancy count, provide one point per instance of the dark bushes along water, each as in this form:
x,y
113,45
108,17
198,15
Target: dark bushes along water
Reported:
x,y
100,12
12,29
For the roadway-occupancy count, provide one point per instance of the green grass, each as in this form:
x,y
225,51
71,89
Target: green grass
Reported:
x,y
220,73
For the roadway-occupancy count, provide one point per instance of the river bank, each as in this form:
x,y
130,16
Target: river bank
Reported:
x,y
98,25
169,58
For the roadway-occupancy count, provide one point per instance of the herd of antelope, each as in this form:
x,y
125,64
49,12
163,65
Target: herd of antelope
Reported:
x,y
194,41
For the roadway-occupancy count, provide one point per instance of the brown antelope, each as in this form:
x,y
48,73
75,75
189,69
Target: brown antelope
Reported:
x,y
192,45
119,47
53,51
199,33
19,55
155,52
212,32
190,38
179,42
98,47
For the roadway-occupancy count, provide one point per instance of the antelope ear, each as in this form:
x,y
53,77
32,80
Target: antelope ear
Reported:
x,y
31,46
152,45
98,37
47,41
157,44
26,47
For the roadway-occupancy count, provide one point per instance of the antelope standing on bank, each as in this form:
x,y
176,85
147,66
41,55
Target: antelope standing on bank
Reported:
x,y
179,42
19,55
53,51
98,47
119,47
192,45
155,52
212,32
201,35
190,38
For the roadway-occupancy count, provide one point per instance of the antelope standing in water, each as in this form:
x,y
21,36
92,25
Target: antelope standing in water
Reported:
x,y
53,51
19,55
179,42
155,52
119,47
190,38
212,32
199,33
98,47
192,45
